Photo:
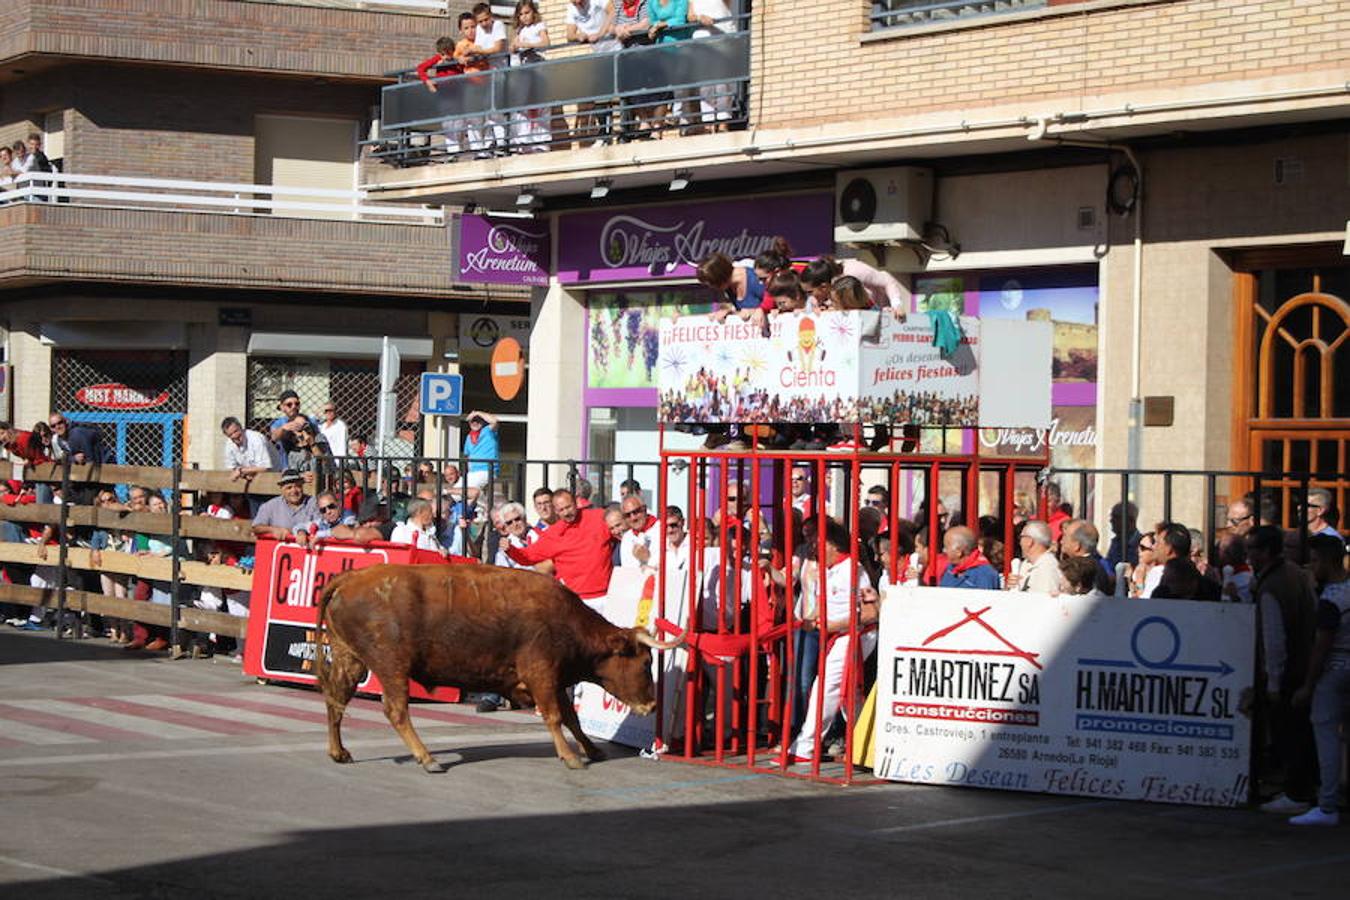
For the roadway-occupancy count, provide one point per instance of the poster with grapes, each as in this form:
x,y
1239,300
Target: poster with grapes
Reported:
x,y
623,333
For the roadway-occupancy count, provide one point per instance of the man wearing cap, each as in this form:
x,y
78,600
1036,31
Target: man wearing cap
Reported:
x,y
279,517
283,428
481,444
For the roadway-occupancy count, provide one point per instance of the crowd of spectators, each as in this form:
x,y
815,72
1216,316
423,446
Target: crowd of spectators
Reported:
x,y
483,43
795,572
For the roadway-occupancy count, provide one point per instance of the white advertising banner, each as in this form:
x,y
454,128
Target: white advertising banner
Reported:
x,y
1119,699
820,367
632,603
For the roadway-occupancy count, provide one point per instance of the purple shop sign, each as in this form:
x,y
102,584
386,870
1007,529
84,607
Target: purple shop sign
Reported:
x,y
502,250
667,241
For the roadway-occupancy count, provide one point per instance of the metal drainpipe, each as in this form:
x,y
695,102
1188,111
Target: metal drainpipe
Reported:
x,y
1135,436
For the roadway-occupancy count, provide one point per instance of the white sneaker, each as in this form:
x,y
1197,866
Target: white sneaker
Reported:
x,y
1316,816
1284,806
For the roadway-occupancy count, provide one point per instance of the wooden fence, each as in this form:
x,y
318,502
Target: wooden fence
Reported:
x,y
177,570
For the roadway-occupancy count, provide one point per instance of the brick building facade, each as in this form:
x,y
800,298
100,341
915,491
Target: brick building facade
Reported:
x,y
169,101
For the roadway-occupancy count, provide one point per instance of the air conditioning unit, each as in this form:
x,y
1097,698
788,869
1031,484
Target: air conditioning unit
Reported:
x,y
882,206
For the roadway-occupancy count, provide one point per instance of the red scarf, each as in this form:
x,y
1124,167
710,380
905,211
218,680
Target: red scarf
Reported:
x,y
475,435
976,558
630,9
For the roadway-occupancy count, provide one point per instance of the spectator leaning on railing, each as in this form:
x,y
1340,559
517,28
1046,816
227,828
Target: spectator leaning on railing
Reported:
x,y
490,38
247,453
279,517
592,22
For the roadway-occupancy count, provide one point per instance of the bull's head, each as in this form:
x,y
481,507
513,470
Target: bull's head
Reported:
x,y
626,669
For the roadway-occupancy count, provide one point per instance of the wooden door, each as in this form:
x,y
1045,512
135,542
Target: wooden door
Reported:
x,y
1292,414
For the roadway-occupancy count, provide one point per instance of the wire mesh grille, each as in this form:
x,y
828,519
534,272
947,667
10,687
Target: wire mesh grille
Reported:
x,y
352,385
137,398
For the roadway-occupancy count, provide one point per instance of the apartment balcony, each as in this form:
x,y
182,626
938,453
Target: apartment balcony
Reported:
x,y
576,104
88,228
330,38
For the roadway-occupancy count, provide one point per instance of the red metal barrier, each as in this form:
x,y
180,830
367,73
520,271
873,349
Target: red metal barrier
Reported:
x,y
758,612
287,580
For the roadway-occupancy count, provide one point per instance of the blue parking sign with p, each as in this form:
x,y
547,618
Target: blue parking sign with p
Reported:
x,y
442,394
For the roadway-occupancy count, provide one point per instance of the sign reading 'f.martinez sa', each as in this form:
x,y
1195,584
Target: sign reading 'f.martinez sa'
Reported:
x,y
502,250
668,241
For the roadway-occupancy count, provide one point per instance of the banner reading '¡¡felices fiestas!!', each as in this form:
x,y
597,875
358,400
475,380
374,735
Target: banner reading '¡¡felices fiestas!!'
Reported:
x,y
817,367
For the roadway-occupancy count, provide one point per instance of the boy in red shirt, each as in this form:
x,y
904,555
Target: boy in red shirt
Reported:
x,y
444,65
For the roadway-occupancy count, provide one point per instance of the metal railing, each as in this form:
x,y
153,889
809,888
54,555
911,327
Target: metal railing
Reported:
x,y
907,13
228,198
637,93
1195,498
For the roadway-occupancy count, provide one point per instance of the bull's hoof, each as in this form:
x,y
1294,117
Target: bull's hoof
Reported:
x,y
595,754
573,762
433,767
341,757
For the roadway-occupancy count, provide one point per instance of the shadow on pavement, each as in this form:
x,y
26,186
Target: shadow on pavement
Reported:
x,y
827,845
28,647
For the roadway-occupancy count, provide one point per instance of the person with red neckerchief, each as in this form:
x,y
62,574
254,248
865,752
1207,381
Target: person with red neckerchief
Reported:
x,y
966,565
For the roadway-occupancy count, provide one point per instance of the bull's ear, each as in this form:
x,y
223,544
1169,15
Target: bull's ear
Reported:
x,y
622,642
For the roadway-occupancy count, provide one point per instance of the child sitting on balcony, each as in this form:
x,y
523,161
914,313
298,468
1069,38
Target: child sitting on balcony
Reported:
x,y
442,65
471,58
531,128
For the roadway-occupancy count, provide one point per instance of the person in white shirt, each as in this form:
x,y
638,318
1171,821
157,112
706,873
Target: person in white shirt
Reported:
x,y
490,37
509,520
840,601
419,529
1038,570
640,545
531,130
716,100
247,453
676,550
591,22
334,430
801,490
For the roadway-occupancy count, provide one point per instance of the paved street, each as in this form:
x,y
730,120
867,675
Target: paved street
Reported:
x,y
135,777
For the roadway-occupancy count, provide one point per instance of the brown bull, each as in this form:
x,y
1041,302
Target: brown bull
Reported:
x,y
479,628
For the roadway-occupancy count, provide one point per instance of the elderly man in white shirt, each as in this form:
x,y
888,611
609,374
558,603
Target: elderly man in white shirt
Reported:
x,y
641,542
419,529
1038,570
509,520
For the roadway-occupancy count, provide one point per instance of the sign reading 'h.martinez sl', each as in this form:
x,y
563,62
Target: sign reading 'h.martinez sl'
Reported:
x,y
495,250
668,241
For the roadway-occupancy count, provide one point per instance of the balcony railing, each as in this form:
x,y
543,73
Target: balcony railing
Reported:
x,y
908,13
211,196
687,86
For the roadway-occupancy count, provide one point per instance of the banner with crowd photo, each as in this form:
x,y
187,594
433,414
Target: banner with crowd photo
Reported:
x,y
633,602
823,367
1119,699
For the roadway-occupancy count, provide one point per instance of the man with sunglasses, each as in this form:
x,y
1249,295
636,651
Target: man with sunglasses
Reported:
x,y
514,530
641,543
801,490
332,521
283,428
83,443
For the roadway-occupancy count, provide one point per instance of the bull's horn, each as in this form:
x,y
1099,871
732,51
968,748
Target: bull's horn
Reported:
x,y
644,638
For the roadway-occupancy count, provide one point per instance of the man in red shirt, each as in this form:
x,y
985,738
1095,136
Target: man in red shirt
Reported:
x,y
580,546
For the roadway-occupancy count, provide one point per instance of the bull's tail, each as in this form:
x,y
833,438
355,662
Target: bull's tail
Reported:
x,y
321,610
